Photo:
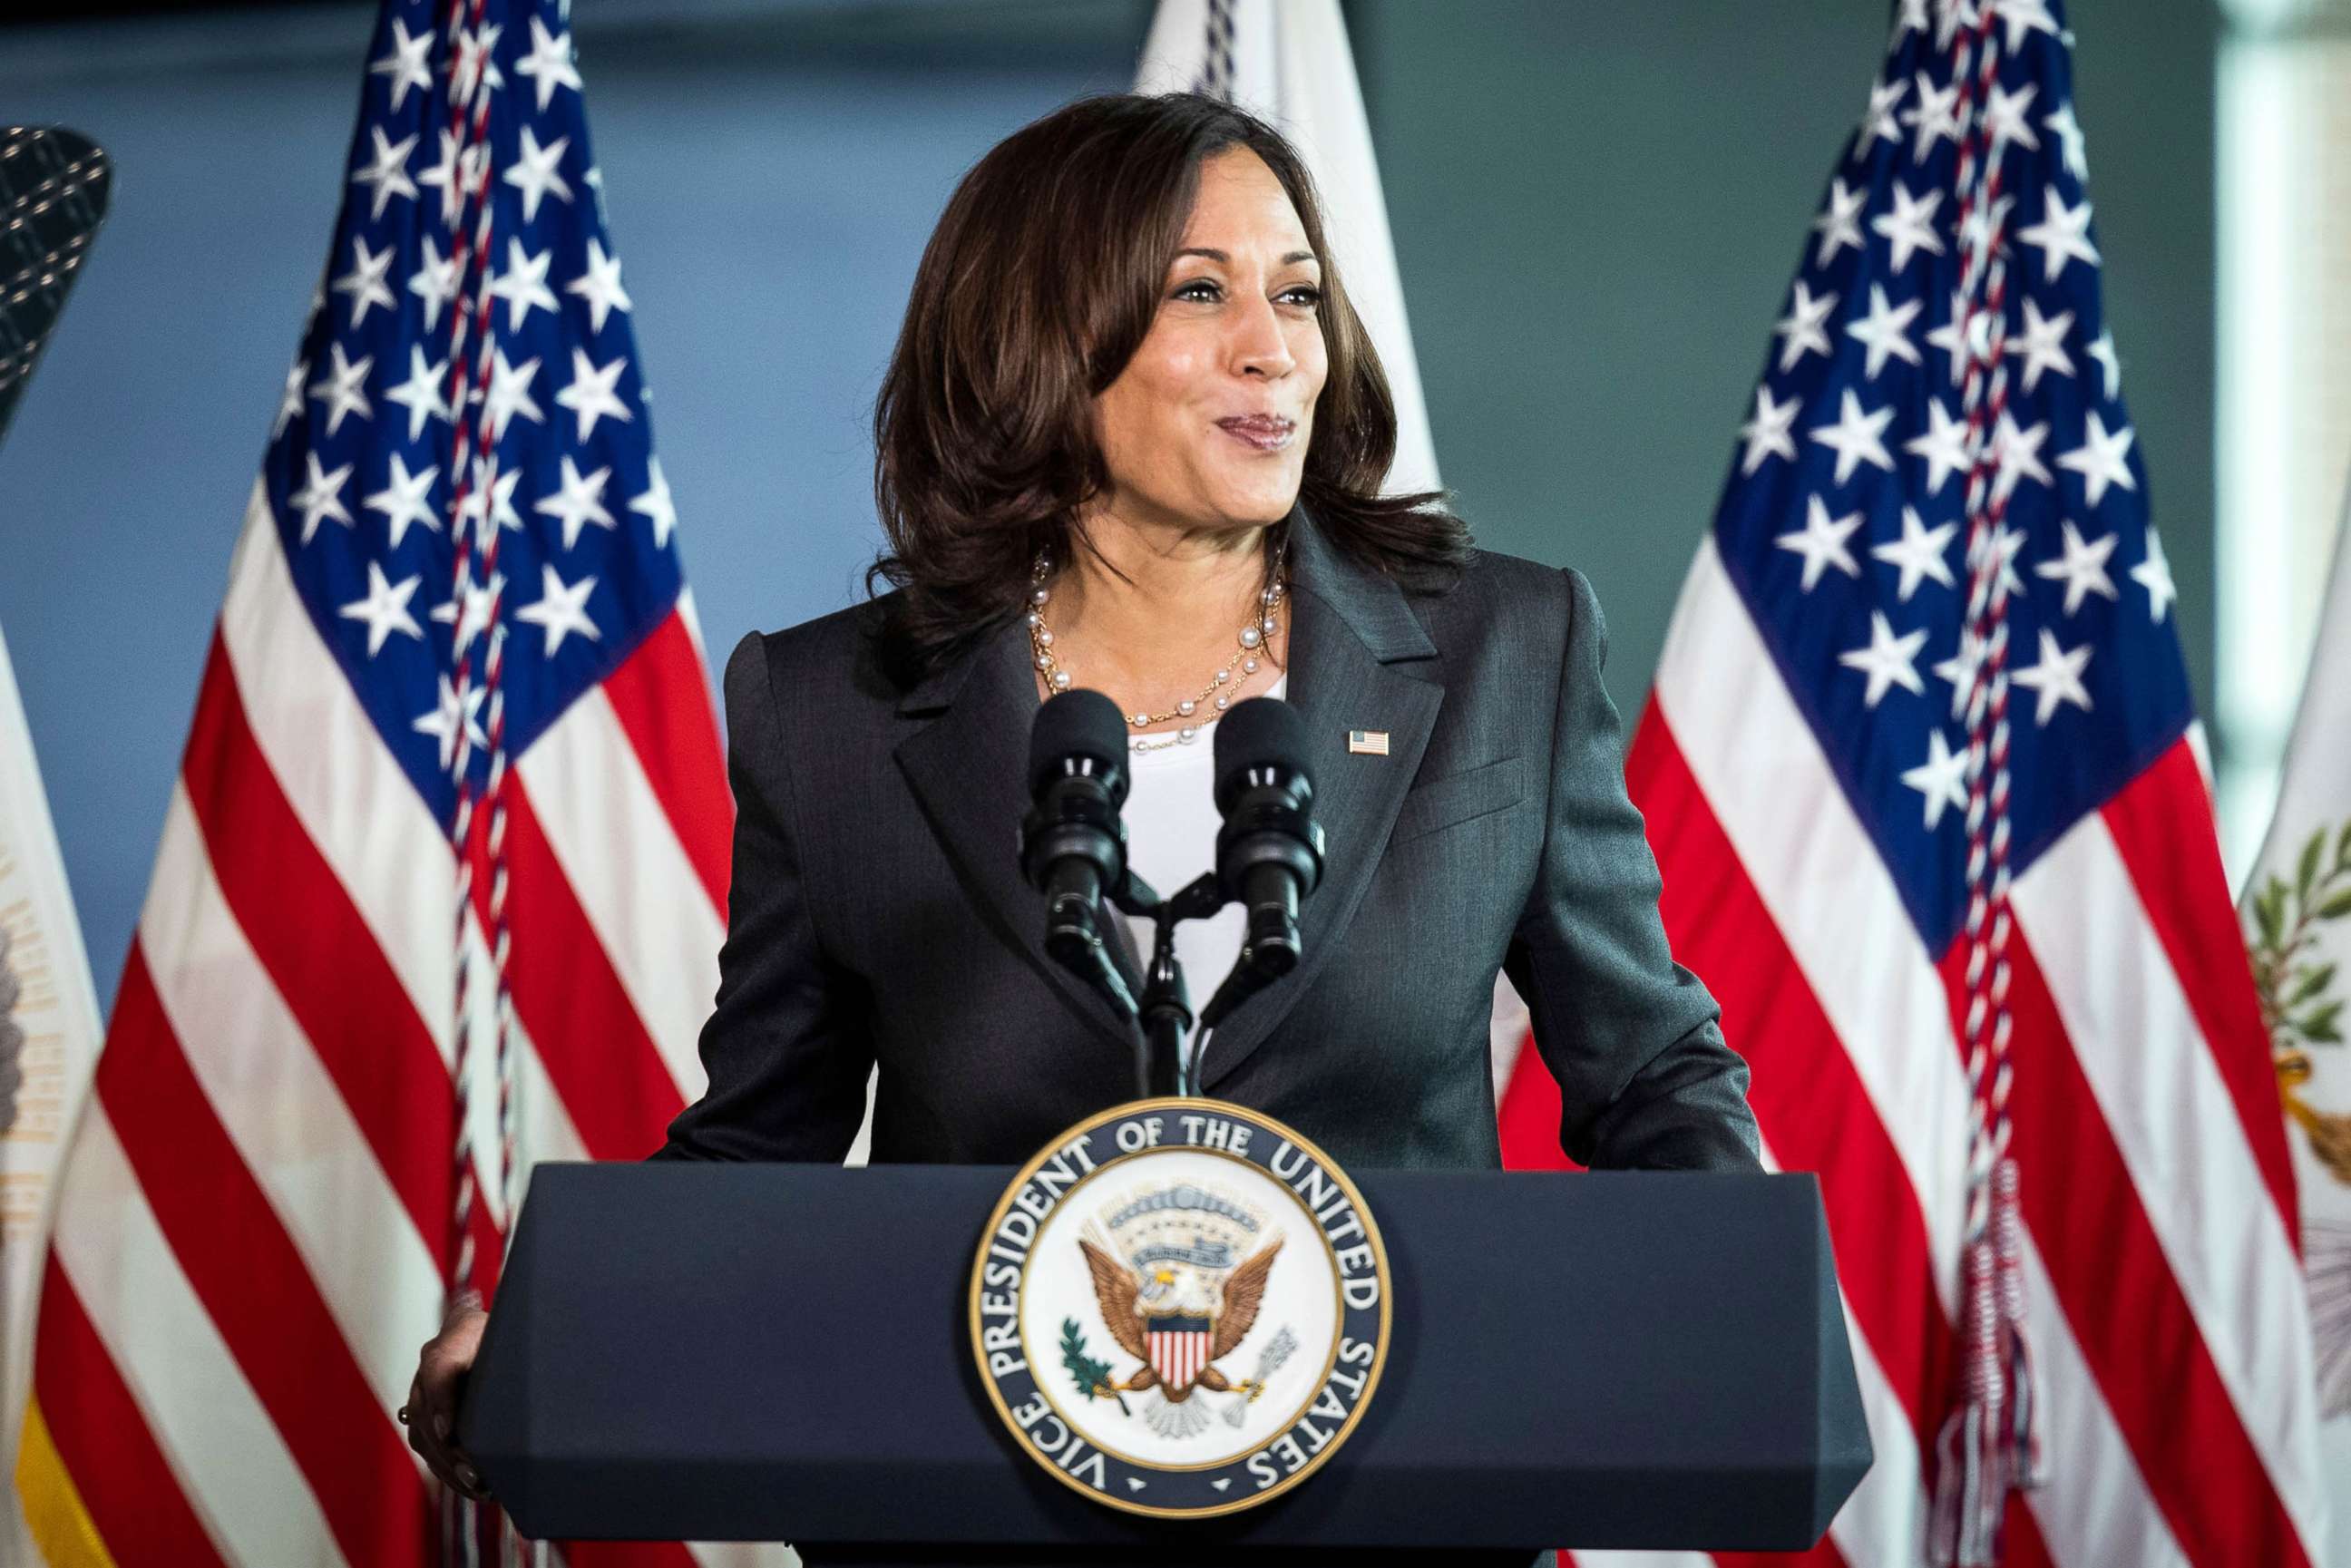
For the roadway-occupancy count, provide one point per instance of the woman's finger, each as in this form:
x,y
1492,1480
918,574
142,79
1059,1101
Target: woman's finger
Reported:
x,y
452,1468
459,1470
428,1448
428,1431
452,1463
440,1371
417,1429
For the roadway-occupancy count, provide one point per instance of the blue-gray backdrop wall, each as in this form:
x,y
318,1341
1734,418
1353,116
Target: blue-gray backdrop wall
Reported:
x,y
1597,210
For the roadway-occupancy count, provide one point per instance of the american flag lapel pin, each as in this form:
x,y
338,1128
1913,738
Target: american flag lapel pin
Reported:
x,y
1368,743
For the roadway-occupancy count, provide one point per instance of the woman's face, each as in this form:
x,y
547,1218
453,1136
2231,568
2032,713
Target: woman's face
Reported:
x,y
1207,424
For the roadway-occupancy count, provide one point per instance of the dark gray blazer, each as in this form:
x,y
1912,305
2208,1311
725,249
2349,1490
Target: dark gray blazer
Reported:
x,y
878,912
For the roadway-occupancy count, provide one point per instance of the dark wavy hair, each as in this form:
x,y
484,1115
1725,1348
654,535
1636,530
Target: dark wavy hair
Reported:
x,y
1040,283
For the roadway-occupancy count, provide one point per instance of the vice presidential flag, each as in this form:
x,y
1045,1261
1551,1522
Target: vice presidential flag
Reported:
x,y
48,1038
1920,772
2297,920
441,880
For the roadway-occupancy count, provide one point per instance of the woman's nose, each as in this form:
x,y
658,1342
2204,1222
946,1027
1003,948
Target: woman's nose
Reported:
x,y
1259,344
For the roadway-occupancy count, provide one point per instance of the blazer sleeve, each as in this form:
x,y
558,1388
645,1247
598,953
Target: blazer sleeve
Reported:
x,y
1645,1080
787,1048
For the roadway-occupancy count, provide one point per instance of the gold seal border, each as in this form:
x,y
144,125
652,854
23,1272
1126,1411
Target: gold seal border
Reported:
x,y
1264,1123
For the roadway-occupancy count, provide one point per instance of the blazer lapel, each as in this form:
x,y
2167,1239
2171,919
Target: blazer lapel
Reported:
x,y
970,770
1353,640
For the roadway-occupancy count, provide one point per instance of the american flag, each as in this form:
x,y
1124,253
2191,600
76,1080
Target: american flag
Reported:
x,y
1916,563
456,617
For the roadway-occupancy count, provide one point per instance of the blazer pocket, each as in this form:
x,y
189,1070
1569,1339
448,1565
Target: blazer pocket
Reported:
x,y
1458,797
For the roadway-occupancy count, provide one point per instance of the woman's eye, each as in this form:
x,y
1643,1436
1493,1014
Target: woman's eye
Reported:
x,y
1311,295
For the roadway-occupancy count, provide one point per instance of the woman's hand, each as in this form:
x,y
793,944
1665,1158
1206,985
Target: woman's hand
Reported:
x,y
431,1412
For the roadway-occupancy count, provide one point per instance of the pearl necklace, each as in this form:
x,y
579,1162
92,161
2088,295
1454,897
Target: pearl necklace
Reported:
x,y
1220,690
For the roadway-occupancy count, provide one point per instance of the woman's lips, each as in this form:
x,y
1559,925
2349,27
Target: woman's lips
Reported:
x,y
1262,433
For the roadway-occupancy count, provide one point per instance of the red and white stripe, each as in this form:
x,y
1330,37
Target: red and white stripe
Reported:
x,y
252,1234
1178,1355
2163,1276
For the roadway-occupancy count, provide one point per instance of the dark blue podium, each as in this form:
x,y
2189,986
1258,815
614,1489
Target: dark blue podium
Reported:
x,y
777,1352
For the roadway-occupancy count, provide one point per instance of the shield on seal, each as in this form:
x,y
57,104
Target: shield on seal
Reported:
x,y
1179,1349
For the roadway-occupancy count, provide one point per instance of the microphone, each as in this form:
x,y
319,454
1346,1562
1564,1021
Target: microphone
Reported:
x,y
1269,850
1073,842
54,188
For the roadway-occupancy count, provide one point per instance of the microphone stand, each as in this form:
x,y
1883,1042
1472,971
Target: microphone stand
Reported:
x,y
1073,939
1166,1014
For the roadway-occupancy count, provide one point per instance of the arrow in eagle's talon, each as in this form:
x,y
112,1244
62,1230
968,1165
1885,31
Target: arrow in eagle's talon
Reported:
x,y
1248,1391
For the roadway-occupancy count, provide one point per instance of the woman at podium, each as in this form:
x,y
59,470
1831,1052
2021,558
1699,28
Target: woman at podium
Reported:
x,y
1132,439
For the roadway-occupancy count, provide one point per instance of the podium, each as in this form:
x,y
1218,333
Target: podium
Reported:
x,y
778,1353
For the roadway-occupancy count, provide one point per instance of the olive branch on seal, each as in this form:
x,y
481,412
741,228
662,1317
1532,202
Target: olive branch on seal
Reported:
x,y
2298,1007
1093,1376
12,1039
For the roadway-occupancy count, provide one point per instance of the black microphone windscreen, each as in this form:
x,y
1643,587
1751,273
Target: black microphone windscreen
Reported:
x,y
53,187
1259,733
1075,723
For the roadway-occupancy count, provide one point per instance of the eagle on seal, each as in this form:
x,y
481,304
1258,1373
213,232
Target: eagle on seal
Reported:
x,y
1122,1292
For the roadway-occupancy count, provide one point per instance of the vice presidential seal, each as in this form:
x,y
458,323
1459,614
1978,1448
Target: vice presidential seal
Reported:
x,y
1180,1308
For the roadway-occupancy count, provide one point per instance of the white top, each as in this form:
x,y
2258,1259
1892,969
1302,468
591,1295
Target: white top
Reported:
x,y
1171,838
